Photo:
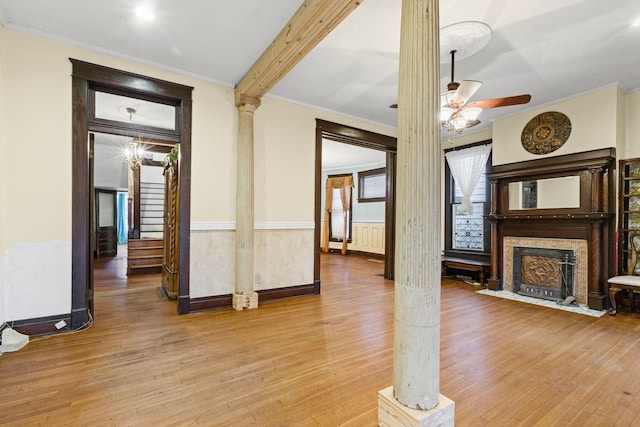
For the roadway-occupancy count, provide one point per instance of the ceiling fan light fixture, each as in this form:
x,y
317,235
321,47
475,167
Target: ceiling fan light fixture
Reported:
x,y
459,123
446,98
445,115
471,113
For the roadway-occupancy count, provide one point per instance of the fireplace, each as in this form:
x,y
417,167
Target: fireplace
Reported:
x,y
543,273
586,227
576,249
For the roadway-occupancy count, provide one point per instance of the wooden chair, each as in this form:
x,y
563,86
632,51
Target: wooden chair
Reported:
x,y
629,282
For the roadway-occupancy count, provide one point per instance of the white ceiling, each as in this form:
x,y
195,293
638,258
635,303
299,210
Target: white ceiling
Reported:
x,y
552,49
338,155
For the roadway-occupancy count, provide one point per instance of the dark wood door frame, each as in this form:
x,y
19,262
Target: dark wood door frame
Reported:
x,y
106,236
86,78
366,139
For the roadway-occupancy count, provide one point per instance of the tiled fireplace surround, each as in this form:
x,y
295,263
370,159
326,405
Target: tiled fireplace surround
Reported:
x,y
580,251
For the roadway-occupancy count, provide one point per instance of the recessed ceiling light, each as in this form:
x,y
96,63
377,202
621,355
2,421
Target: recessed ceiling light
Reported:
x,y
145,13
636,23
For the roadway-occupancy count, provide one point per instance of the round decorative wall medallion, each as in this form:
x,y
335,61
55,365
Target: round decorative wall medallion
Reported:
x,y
546,132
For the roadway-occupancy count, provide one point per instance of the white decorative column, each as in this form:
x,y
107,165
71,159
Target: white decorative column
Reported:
x,y
414,399
244,295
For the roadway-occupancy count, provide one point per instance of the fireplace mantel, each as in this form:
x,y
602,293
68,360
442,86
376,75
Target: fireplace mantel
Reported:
x,y
591,221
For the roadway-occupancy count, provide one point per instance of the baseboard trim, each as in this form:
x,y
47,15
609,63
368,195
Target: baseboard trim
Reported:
x,y
210,303
357,253
225,301
42,325
281,293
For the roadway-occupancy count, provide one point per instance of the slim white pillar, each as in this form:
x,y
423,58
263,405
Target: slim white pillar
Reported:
x,y
414,398
244,295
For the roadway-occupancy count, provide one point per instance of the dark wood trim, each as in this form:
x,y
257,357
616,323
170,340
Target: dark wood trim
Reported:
x,y
592,221
81,259
361,176
210,303
355,136
622,252
225,301
129,82
317,211
184,207
366,139
390,217
479,256
473,144
135,231
44,325
85,79
281,293
550,166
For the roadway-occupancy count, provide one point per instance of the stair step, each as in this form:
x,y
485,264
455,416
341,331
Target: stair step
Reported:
x,y
144,257
152,220
151,234
142,243
151,227
152,208
145,252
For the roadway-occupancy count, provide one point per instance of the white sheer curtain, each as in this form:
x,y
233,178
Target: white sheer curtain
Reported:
x,y
466,167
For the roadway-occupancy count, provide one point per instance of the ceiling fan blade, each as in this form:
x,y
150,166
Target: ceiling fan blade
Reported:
x,y
465,91
501,102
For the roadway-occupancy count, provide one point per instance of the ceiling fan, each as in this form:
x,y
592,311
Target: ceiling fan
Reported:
x,y
456,114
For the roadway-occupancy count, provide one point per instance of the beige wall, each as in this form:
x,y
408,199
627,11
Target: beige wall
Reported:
x,y
594,125
37,245
3,177
632,134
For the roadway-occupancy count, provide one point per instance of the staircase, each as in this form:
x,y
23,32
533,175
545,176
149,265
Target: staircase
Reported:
x,y
144,256
151,210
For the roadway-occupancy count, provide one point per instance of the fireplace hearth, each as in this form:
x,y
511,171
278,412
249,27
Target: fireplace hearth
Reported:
x,y
543,273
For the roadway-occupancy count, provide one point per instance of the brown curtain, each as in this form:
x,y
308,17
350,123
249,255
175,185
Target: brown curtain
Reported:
x,y
344,183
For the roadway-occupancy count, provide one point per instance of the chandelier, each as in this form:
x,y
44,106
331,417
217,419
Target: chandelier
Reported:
x,y
133,155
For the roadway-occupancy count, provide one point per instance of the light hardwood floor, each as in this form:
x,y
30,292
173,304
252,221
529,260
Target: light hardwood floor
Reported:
x,y
318,360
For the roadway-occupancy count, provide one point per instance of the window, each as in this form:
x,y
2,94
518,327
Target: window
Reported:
x,y
468,230
467,233
337,217
372,185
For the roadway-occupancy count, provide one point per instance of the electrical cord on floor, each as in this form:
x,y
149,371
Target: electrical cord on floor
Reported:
x,y
86,325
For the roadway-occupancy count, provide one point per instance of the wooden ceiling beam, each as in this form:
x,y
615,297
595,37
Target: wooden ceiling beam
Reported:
x,y
311,23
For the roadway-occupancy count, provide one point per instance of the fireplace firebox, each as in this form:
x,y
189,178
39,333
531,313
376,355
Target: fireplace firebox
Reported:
x,y
543,273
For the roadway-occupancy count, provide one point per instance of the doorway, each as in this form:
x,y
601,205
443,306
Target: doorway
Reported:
x,y
90,81
361,138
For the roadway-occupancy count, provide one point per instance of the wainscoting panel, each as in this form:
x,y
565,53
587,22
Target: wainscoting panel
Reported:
x,y
367,237
283,258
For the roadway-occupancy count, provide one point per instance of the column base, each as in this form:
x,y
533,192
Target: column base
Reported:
x,y
242,301
392,413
